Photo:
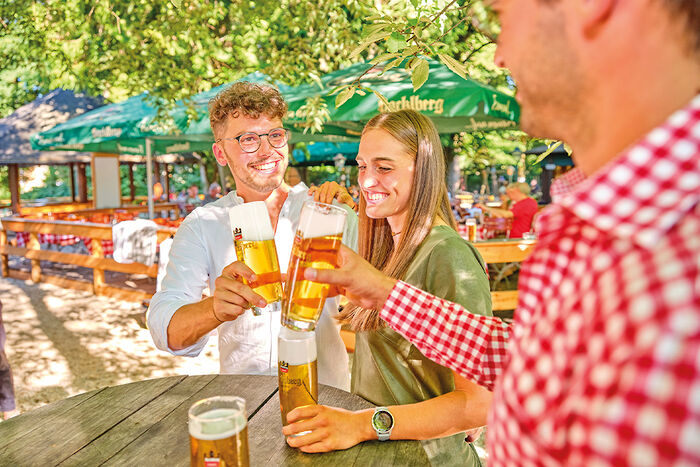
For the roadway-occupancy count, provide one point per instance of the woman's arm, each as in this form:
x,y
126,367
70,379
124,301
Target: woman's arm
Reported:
x,y
332,428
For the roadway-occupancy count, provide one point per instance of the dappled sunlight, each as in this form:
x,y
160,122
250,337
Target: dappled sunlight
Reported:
x,y
62,342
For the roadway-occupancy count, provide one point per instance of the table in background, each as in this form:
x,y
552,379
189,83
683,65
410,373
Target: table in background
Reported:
x,y
145,423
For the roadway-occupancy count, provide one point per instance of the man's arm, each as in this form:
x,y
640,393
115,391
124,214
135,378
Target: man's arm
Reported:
x,y
495,212
474,346
178,317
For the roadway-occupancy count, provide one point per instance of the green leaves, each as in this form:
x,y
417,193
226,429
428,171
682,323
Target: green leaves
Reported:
x,y
344,95
395,42
453,65
419,74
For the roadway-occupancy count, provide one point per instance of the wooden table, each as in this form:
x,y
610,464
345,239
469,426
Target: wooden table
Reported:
x,y
145,423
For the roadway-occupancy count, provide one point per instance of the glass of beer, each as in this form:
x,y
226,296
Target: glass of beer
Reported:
x,y
254,241
316,245
471,229
218,432
296,370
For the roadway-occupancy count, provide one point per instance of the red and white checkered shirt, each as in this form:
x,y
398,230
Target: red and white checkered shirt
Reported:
x,y
602,363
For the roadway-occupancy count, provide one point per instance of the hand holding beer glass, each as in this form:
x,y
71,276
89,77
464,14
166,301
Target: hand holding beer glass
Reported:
x,y
218,432
254,241
297,371
316,245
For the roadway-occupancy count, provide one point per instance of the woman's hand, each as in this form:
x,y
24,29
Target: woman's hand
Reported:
x,y
331,428
329,191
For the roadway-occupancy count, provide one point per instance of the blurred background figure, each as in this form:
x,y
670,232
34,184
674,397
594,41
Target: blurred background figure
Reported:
x,y
292,177
193,196
157,192
214,193
522,211
7,390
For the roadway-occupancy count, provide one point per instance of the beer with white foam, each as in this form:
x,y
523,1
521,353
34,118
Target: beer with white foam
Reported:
x,y
253,239
297,370
316,244
218,432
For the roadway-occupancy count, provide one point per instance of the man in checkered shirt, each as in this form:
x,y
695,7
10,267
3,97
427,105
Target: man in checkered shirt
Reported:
x,y
602,363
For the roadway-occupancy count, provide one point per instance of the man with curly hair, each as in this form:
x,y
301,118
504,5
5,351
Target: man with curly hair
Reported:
x,y
251,140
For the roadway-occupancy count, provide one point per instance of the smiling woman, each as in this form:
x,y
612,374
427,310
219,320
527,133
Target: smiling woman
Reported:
x,y
406,230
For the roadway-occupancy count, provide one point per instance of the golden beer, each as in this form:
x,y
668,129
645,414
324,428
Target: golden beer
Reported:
x,y
297,371
305,298
261,257
298,386
471,230
253,240
218,433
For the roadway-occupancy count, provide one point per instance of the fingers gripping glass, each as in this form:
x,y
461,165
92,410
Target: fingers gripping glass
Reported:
x,y
250,141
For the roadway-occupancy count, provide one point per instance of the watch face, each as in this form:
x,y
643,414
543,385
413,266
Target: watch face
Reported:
x,y
383,421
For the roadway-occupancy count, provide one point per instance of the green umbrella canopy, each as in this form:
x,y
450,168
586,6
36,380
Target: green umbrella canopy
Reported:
x,y
122,128
453,103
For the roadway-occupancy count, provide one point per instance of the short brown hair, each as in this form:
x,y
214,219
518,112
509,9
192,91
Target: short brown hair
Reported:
x,y
248,99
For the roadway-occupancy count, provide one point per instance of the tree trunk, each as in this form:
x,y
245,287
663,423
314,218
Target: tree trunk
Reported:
x,y
82,183
72,181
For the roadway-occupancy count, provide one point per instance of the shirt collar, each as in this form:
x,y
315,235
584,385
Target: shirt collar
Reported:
x,y
648,188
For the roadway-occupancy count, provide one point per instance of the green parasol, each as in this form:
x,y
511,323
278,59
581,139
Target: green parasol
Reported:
x,y
453,103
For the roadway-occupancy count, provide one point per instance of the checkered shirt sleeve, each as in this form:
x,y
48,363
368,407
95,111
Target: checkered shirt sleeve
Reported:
x,y
472,345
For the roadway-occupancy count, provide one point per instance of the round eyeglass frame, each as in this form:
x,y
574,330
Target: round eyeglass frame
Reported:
x,y
259,139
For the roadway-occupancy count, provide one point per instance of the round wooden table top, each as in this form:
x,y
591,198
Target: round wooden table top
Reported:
x,y
145,423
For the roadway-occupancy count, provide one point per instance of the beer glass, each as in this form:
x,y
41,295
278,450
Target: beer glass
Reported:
x,y
254,241
316,245
471,229
296,370
218,432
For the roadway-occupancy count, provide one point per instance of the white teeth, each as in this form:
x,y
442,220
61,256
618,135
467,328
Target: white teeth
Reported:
x,y
268,166
376,196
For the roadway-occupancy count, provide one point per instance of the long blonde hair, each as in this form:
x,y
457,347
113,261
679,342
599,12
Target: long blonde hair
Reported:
x,y
427,202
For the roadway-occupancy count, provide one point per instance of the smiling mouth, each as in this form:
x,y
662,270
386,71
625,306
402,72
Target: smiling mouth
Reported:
x,y
266,167
374,198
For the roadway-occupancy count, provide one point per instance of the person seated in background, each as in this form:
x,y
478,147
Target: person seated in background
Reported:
x,y
522,211
292,176
193,196
214,193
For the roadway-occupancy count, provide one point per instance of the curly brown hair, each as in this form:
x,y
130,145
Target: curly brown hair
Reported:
x,y
248,99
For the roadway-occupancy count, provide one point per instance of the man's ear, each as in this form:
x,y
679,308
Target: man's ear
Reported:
x,y
219,155
593,14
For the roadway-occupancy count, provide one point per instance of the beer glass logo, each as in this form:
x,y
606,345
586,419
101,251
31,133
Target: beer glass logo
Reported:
x,y
237,233
284,367
211,461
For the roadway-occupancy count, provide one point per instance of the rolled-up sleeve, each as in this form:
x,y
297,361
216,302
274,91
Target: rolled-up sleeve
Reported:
x,y
185,279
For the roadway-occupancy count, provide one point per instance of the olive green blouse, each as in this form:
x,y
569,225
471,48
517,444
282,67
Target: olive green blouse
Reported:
x,y
388,370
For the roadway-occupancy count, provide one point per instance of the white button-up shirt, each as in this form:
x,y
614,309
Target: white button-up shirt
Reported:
x,y
201,249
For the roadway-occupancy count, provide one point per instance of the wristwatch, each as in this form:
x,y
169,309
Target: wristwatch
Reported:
x,y
382,422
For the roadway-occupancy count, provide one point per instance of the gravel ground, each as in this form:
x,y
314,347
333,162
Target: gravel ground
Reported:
x,y
62,342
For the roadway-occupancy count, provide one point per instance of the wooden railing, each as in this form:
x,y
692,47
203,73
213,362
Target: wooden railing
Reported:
x,y
86,209
95,261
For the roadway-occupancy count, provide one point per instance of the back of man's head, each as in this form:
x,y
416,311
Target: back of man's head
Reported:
x,y
247,99
522,187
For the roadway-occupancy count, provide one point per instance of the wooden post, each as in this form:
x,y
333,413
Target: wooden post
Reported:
x,y
36,264
166,185
71,166
4,261
13,178
132,189
156,169
82,183
98,275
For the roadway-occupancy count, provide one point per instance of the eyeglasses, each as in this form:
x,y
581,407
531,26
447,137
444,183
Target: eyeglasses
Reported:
x,y
250,141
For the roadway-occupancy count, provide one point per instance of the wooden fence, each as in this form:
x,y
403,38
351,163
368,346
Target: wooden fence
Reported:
x,y
95,261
